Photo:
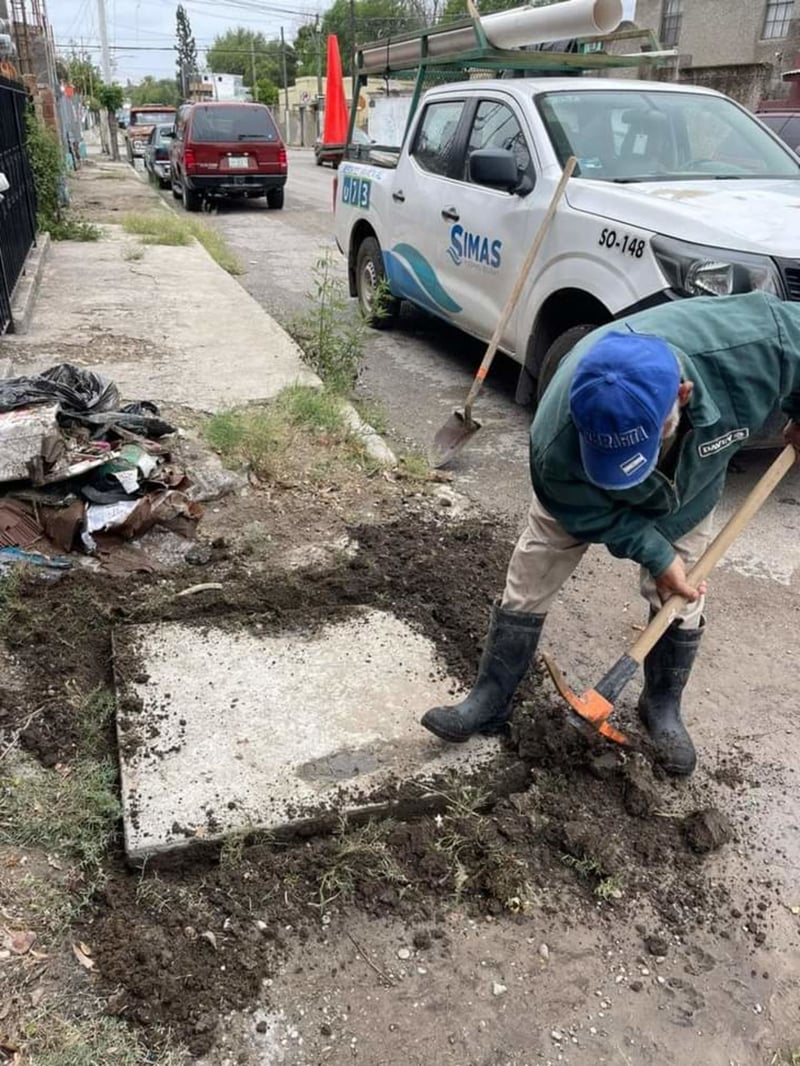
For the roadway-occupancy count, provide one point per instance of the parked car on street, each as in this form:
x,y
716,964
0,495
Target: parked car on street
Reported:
x,y
229,150
333,153
786,124
156,154
140,126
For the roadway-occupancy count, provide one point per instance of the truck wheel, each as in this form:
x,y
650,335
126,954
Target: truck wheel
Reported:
x,y
176,192
558,350
191,200
129,152
275,199
379,309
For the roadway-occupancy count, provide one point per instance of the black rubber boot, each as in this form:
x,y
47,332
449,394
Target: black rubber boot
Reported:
x,y
507,654
666,671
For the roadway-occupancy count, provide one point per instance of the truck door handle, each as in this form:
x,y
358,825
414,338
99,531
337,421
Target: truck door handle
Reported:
x,y
450,214
399,196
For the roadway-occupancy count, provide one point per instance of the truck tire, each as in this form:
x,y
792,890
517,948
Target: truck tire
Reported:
x,y
129,153
275,199
369,276
555,354
176,192
191,199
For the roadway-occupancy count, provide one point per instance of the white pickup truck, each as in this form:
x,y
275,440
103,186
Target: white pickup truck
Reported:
x,y
678,192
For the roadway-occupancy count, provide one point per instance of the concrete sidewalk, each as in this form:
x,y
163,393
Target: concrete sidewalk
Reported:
x,y
171,325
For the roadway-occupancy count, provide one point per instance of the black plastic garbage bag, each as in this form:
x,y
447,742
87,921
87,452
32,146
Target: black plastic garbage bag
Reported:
x,y
77,391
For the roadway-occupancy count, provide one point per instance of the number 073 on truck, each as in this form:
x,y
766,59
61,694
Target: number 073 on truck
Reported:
x,y
678,190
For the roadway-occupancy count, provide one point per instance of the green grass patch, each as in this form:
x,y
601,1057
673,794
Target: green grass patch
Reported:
x,y
159,228
260,437
164,227
373,413
415,467
70,229
52,1040
72,813
786,1058
215,245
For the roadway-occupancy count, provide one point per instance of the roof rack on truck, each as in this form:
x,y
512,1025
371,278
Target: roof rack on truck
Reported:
x,y
518,42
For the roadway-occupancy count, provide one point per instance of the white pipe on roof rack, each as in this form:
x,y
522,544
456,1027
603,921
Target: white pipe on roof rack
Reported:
x,y
515,28
555,22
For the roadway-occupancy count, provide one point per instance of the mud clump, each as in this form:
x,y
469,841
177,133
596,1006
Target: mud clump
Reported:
x,y
641,794
707,830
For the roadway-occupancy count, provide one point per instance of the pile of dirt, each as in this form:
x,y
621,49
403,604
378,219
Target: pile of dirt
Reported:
x,y
591,837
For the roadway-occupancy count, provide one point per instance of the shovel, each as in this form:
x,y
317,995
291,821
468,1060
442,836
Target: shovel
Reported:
x,y
592,710
461,427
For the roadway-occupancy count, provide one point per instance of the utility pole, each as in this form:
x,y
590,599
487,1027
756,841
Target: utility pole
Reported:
x,y
353,48
104,49
253,69
319,74
285,78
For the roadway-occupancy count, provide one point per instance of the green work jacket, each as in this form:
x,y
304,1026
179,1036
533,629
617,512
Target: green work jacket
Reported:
x,y
743,355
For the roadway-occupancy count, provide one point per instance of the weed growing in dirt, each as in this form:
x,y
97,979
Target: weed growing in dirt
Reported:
x,y
164,227
331,336
589,869
414,467
56,1041
254,437
70,229
133,254
260,437
9,589
786,1058
360,856
373,413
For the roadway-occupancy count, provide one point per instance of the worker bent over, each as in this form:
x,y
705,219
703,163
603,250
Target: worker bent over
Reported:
x,y
629,448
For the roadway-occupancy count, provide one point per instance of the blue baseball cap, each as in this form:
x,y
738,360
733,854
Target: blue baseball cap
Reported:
x,y
621,395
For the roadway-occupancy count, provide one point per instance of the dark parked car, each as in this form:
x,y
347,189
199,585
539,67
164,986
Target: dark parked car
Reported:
x,y
332,153
156,154
786,124
227,150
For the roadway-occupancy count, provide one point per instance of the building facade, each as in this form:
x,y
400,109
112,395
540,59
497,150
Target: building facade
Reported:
x,y
207,86
740,47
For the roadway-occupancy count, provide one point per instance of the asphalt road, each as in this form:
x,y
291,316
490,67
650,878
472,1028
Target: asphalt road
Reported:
x,y
420,370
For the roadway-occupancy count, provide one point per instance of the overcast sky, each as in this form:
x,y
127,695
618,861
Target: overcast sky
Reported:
x,y
142,32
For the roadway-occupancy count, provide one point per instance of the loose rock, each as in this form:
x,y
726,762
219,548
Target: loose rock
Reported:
x,y
707,830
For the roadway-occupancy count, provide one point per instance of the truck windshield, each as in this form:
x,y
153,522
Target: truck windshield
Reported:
x,y
152,118
628,135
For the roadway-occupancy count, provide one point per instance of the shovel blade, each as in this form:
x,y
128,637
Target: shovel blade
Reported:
x,y
454,435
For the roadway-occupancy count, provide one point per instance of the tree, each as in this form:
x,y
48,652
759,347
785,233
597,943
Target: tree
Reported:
x,y
152,90
239,51
374,20
111,98
266,92
187,50
307,43
83,75
457,9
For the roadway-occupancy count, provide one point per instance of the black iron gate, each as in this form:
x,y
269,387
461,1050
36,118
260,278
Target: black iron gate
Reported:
x,y
18,207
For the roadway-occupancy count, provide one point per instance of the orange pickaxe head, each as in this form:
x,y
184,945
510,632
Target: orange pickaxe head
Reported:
x,y
592,709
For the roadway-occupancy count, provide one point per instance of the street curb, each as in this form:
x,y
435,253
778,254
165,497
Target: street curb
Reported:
x,y
374,444
27,287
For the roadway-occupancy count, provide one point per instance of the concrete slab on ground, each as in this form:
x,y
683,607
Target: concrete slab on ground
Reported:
x,y
224,729
164,322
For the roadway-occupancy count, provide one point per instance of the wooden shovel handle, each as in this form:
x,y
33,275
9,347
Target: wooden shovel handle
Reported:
x,y
511,302
715,551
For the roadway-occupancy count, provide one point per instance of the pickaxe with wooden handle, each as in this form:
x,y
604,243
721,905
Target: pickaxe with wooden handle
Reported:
x,y
594,708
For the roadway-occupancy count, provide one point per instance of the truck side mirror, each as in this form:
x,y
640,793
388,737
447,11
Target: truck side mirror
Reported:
x,y
494,167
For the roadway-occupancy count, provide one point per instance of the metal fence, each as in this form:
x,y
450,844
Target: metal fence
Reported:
x,y
18,208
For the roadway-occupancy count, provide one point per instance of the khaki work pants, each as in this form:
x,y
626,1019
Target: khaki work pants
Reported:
x,y
546,555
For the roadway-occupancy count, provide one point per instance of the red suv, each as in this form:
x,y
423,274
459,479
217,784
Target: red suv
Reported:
x,y
231,150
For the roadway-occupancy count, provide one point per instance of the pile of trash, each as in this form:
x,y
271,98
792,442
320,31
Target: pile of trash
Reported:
x,y
82,473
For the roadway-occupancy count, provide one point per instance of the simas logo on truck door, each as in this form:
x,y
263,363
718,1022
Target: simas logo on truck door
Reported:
x,y
474,248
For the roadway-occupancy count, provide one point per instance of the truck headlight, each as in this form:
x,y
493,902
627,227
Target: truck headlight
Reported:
x,y
694,270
